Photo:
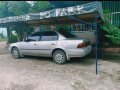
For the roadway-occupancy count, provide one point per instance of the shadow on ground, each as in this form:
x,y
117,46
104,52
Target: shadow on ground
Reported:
x,y
83,61
38,58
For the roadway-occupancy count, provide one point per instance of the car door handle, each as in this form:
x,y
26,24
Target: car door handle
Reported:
x,y
52,44
35,44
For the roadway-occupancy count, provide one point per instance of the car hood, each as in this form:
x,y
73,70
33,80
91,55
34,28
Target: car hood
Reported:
x,y
15,44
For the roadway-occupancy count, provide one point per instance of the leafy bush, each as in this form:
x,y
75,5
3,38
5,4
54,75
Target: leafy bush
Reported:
x,y
14,38
113,32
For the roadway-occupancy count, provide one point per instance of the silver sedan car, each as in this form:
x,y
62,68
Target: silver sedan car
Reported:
x,y
60,45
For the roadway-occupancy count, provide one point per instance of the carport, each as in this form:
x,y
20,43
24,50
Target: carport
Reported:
x,y
87,13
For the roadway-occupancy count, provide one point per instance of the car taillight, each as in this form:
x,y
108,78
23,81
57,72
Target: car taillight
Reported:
x,y
80,45
84,44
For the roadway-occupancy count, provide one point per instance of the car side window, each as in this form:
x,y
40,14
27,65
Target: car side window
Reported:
x,y
34,37
49,36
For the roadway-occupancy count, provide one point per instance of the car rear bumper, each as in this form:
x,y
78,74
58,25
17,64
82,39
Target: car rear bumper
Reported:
x,y
79,52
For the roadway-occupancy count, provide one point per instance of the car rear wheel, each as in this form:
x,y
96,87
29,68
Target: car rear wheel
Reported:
x,y
15,53
59,57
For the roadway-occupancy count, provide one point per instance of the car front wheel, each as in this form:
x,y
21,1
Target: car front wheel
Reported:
x,y
15,53
59,57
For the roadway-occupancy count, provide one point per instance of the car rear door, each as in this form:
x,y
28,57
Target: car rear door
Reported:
x,y
47,43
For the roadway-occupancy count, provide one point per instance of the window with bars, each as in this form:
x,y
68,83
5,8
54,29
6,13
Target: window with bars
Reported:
x,y
82,27
116,18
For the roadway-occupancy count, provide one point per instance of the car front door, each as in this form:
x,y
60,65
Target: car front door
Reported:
x,y
30,46
47,43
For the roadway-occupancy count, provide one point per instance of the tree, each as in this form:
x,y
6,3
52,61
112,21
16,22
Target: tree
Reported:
x,y
12,8
40,6
62,4
18,7
4,9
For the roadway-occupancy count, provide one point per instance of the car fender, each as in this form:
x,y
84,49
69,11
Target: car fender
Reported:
x,y
63,49
17,45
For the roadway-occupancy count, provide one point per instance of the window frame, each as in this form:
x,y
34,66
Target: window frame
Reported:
x,y
49,40
33,34
68,32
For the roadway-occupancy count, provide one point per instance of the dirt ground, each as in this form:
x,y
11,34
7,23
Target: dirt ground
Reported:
x,y
36,73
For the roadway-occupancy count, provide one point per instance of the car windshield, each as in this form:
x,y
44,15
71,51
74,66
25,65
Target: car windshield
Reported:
x,y
67,34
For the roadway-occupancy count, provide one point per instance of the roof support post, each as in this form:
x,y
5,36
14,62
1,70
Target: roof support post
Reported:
x,y
8,34
96,44
96,32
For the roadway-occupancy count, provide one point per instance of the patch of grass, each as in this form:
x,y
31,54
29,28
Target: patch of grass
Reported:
x,y
3,39
113,57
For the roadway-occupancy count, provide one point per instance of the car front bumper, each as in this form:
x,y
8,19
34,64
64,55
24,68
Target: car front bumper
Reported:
x,y
9,49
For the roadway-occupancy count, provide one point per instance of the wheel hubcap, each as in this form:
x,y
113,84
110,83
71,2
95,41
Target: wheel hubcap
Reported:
x,y
59,57
15,53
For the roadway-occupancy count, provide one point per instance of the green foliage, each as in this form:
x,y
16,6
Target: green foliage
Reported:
x,y
14,38
12,8
107,15
4,9
18,8
62,4
63,26
40,6
3,39
113,32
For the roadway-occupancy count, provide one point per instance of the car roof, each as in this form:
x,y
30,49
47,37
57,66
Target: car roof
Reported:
x,y
46,31
60,35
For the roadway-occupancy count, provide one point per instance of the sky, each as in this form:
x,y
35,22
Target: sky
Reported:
x,y
30,2
4,31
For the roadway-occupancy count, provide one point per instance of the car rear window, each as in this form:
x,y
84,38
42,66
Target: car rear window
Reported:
x,y
67,34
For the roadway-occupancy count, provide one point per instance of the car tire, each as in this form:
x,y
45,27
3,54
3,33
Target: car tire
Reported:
x,y
59,57
15,53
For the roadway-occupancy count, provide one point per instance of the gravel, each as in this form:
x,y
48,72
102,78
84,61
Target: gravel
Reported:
x,y
40,73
